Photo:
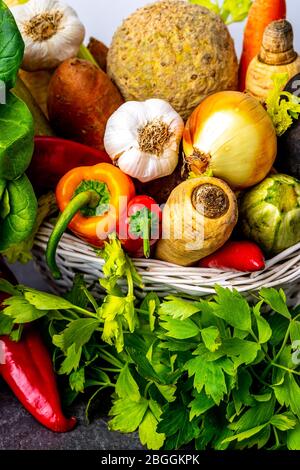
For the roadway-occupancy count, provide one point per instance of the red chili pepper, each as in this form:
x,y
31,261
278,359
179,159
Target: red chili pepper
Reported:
x,y
54,157
141,229
236,255
26,367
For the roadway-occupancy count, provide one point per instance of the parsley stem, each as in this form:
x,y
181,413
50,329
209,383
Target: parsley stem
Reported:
x,y
85,312
263,346
108,369
73,315
291,371
130,283
259,378
276,437
147,388
272,363
140,310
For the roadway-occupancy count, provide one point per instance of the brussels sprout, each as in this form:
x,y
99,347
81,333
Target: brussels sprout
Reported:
x,y
270,213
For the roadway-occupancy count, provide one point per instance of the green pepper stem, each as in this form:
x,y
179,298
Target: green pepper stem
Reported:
x,y
146,238
90,198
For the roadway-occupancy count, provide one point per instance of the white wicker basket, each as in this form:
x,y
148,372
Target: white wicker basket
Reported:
x,y
73,255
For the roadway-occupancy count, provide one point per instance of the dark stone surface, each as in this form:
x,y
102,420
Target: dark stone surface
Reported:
x,y
19,431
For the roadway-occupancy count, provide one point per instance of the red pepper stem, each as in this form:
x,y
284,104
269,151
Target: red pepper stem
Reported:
x,y
86,198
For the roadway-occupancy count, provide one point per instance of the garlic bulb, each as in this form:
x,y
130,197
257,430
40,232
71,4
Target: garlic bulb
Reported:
x,y
143,139
51,30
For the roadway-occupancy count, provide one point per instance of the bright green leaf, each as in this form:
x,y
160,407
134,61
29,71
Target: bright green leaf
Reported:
x,y
167,391
211,338
288,393
295,331
263,327
78,332
71,361
200,404
246,434
232,307
210,376
44,301
293,438
254,417
148,433
127,414
178,308
243,352
179,329
126,386
21,311
276,300
77,380
284,421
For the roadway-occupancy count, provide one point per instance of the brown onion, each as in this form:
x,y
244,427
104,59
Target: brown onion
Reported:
x,y
232,135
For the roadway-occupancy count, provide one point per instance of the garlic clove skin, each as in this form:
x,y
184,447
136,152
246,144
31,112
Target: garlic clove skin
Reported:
x,y
51,30
143,138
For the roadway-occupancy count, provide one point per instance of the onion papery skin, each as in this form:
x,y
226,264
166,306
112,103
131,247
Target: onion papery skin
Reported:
x,y
231,134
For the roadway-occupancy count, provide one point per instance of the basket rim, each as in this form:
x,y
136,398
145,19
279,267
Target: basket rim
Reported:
x,y
74,253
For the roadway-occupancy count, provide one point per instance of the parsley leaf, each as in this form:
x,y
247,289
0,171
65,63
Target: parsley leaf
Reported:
x,y
21,311
179,329
71,361
178,308
78,332
127,414
211,338
210,375
200,404
293,438
232,307
126,386
282,106
77,380
276,300
148,432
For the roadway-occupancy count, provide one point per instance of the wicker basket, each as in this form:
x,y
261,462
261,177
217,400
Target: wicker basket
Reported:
x,y
73,255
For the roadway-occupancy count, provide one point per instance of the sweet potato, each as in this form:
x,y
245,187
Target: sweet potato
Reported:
x,y
81,98
99,51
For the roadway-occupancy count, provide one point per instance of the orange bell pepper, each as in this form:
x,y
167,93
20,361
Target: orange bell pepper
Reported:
x,y
91,199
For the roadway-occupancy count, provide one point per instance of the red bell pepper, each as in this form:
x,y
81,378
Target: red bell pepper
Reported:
x,y
142,226
236,255
26,367
54,157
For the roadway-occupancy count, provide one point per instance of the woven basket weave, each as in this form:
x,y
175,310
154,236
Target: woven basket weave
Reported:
x,y
73,255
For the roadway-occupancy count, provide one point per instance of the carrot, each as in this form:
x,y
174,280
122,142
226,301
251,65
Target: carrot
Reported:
x,y
261,14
